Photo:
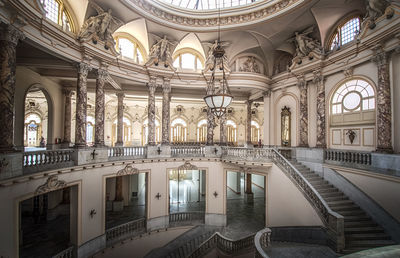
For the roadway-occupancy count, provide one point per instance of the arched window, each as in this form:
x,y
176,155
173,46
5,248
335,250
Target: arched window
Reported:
x,y
126,131
58,13
145,131
231,132
255,132
32,130
178,130
345,33
202,131
188,59
90,130
130,48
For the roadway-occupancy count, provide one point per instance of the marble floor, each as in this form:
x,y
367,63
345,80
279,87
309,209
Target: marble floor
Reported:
x,y
298,250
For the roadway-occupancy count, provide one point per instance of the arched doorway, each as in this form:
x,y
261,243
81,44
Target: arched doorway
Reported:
x,y
36,120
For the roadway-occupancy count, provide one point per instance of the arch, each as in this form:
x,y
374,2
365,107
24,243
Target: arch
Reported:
x,y
294,105
335,33
201,130
59,12
190,41
135,49
138,29
188,59
50,111
179,130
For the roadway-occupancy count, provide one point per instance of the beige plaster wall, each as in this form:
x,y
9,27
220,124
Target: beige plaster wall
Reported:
x,y
286,205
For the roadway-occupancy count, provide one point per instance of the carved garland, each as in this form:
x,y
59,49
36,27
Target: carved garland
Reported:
x,y
210,22
51,184
128,170
188,166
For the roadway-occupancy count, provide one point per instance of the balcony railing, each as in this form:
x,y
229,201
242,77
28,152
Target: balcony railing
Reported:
x,y
349,157
37,158
253,154
127,152
261,241
224,244
126,230
196,151
67,253
186,217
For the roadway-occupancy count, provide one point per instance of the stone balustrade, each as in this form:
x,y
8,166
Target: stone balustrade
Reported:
x,y
67,253
38,158
184,151
186,217
125,230
350,157
224,244
261,241
128,152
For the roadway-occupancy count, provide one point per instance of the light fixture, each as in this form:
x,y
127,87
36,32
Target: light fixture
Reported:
x,y
218,100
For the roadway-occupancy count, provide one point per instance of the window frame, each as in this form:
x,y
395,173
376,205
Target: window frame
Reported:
x,y
137,46
337,32
195,53
63,8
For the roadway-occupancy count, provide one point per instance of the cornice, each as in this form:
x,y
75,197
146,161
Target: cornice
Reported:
x,y
208,20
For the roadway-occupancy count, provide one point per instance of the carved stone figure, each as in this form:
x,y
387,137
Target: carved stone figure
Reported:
x,y
100,27
250,65
209,65
375,9
305,45
161,52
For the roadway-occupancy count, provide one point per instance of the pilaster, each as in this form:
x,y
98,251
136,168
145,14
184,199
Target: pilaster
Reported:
x,y
302,84
151,109
67,116
120,119
319,81
166,87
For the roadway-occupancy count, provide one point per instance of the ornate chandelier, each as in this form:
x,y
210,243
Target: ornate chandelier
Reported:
x,y
218,99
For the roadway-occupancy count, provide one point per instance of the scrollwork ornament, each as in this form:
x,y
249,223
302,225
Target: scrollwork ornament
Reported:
x,y
188,166
51,184
128,170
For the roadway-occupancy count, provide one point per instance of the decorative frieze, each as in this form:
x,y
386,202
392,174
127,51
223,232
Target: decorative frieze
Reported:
x,y
319,81
9,37
102,74
383,102
81,105
188,166
302,84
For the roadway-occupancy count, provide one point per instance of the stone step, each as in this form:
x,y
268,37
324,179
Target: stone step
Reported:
x,y
353,250
339,203
320,183
367,230
331,194
367,236
328,190
321,187
352,213
355,224
336,198
311,176
356,218
369,243
345,207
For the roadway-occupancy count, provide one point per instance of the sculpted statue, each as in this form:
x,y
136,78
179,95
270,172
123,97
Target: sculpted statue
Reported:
x,y
250,65
305,45
209,64
375,9
161,52
100,27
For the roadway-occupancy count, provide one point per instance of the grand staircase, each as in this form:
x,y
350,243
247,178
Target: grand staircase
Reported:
x,y
185,244
361,232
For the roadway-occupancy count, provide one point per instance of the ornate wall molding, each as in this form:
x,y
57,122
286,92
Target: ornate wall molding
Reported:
x,y
51,184
128,170
188,166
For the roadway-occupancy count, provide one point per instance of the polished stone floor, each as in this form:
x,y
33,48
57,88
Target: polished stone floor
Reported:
x,y
129,213
45,238
298,250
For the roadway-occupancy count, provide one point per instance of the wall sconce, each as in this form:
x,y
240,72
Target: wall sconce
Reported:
x,y
158,196
92,213
215,194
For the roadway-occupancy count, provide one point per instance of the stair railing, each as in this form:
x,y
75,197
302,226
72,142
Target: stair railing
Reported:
x,y
333,221
124,230
262,240
228,246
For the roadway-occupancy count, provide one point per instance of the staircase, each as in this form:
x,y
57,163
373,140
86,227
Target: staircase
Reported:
x,y
185,244
361,232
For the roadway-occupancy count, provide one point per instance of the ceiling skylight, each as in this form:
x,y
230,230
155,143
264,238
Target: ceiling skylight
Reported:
x,y
208,4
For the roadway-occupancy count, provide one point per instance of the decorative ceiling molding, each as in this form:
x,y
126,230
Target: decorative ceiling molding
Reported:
x,y
196,21
128,170
51,184
188,166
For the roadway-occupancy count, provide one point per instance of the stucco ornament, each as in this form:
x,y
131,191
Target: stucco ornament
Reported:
x,y
305,46
100,27
161,52
51,184
250,65
209,65
375,9
128,170
188,166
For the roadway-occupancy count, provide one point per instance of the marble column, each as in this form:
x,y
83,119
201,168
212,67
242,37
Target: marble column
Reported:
x,y
302,84
248,184
100,108
9,37
267,101
67,116
248,123
151,111
210,127
383,103
166,87
81,105
319,81
222,129
120,120
118,189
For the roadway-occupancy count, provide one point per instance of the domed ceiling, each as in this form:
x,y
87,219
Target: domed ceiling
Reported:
x,y
208,4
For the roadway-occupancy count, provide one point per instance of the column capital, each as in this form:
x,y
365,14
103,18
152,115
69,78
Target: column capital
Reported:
x,y
102,73
166,86
380,57
120,95
84,68
301,81
67,92
267,93
10,34
318,77
249,102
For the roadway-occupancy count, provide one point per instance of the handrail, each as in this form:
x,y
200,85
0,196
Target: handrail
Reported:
x,y
348,156
67,253
186,216
262,240
187,150
224,244
124,230
333,220
132,151
45,157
